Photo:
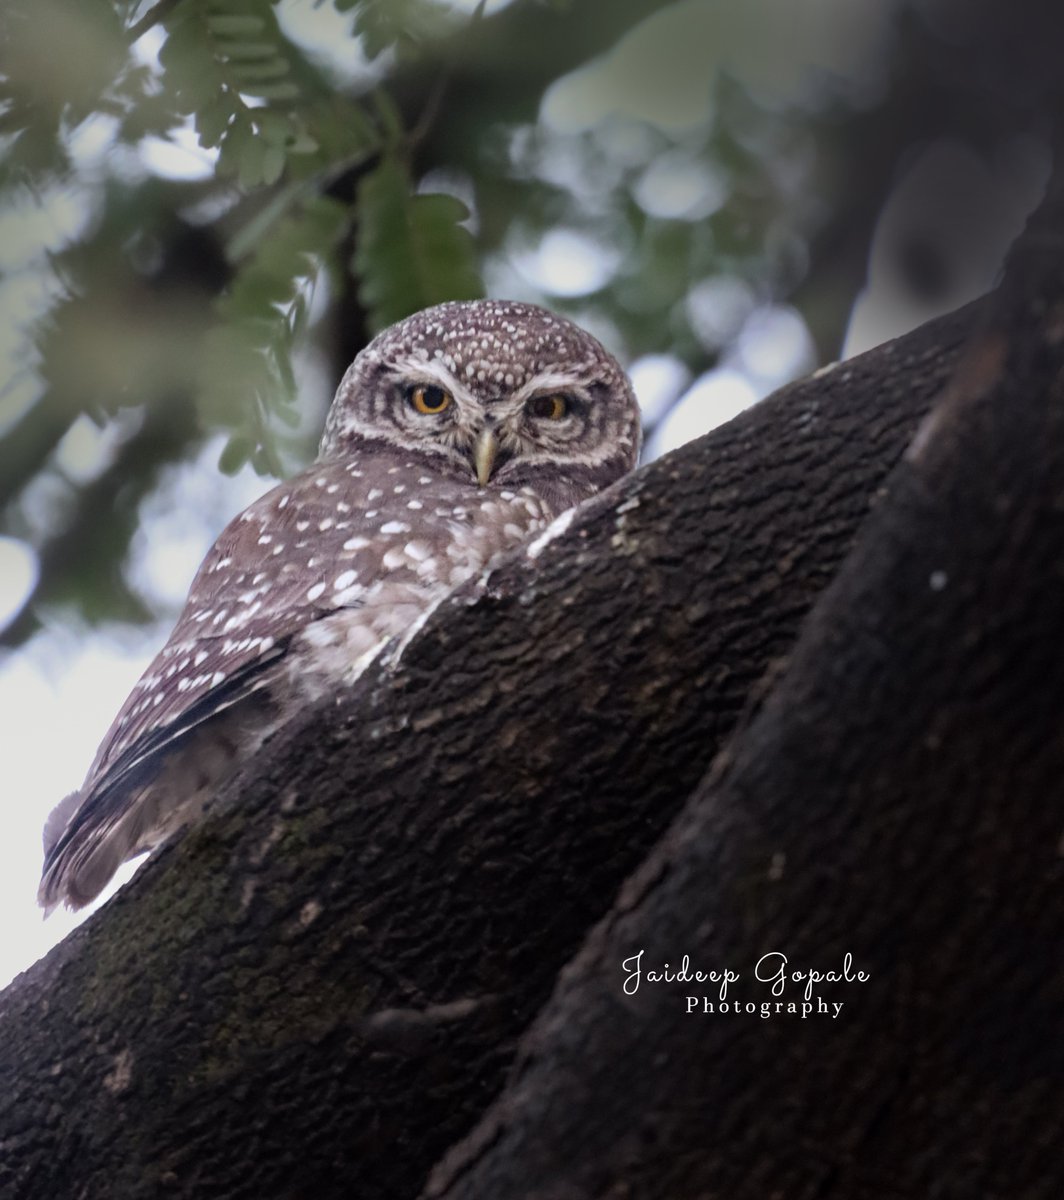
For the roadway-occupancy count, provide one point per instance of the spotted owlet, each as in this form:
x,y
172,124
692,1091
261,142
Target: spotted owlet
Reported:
x,y
453,436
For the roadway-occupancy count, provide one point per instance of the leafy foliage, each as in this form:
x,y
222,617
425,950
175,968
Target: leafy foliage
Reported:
x,y
343,181
58,64
405,25
263,317
412,251
253,95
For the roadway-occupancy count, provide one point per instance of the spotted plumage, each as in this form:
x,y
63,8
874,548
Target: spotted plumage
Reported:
x,y
454,435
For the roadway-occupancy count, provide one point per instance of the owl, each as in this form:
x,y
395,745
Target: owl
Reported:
x,y
453,436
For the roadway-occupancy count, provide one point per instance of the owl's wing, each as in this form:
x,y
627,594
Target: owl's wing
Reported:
x,y
94,830
237,686
253,591
236,626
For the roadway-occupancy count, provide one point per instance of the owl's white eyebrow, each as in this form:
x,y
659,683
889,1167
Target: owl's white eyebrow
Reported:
x,y
427,369
549,381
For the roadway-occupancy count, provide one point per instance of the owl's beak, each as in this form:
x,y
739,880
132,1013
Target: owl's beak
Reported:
x,y
484,453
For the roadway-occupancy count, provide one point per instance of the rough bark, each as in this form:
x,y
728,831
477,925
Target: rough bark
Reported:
x,y
895,798
318,989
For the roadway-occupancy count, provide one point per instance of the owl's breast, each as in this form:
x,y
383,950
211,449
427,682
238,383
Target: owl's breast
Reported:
x,y
404,540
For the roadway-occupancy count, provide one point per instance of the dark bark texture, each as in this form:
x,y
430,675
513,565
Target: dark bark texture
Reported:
x,y
897,798
318,989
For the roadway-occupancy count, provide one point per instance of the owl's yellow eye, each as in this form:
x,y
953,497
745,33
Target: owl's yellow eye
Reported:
x,y
428,399
549,408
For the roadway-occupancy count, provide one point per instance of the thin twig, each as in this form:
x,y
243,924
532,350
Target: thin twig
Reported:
x,y
429,113
427,117
152,17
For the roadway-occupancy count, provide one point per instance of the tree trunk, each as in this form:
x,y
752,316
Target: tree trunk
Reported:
x,y
893,809
320,987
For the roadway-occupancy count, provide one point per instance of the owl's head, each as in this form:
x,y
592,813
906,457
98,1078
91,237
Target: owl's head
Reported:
x,y
498,393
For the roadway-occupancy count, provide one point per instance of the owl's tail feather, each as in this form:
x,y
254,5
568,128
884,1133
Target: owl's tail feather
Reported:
x,y
58,820
155,786
85,843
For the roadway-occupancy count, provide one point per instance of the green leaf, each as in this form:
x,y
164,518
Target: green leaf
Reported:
x,y
238,451
304,144
277,128
213,120
232,143
288,415
242,51
250,165
231,25
246,72
342,129
411,250
272,91
273,160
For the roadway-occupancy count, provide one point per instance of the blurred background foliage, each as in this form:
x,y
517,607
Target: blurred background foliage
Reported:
x,y
208,206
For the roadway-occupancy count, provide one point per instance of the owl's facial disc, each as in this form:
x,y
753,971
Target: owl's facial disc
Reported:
x,y
497,392
483,431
